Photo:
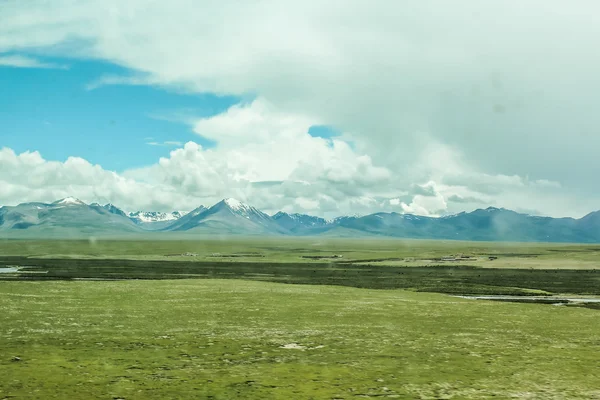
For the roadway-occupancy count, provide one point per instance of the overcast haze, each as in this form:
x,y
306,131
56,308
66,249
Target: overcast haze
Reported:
x,y
426,107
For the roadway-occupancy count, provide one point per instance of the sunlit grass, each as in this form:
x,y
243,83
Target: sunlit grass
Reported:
x,y
226,339
528,255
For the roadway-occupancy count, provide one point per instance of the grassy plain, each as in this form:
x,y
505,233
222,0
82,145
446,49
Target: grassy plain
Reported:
x,y
336,336
285,249
225,339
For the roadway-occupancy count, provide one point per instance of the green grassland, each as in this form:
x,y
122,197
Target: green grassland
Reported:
x,y
273,322
278,249
225,339
521,269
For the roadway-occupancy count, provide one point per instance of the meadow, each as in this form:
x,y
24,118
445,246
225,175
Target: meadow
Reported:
x,y
282,249
263,319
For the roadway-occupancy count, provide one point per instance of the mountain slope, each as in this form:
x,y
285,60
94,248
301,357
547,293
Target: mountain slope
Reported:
x,y
111,208
66,216
491,224
301,224
152,220
391,224
184,220
228,216
72,217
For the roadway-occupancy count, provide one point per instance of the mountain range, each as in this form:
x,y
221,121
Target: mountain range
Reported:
x,y
72,217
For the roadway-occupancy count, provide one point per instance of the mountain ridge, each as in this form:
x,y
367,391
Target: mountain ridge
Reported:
x,y
227,215
230,216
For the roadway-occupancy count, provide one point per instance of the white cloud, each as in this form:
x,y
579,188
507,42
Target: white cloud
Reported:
x,y
256,143
259,144
427,92
121,80
18,61
431,203
256,122
28,177
280,168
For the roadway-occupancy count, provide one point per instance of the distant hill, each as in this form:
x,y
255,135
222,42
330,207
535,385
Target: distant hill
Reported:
x,y
228,216
72,217
300,223
64,217
153,220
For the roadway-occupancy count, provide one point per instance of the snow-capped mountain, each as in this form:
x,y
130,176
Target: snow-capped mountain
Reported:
x,y
69,201
72,217
183,220
303,219
299,223
343,219
229,216
153,220
69,216
154,216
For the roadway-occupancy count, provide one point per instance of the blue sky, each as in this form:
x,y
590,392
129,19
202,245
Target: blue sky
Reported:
x,y
52,111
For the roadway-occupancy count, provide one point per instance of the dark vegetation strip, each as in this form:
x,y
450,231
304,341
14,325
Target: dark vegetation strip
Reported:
x,y
454,279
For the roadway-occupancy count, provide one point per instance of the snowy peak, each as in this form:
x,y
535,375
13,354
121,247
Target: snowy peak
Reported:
x,y
238,208
234,204
229,215
154,216
344,218
69,201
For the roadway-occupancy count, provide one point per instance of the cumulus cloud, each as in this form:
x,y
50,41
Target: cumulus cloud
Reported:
x,y
427,189
267,157
29,177
431,206
428,201
191,176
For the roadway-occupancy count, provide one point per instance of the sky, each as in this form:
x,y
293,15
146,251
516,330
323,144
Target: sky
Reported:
x,y
325,108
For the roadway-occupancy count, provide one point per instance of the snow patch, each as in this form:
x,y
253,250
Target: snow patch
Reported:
x,y
242,209
235,204
153,216
410,217
70,201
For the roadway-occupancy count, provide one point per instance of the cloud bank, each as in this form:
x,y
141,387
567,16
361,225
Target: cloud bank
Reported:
x,y
492,103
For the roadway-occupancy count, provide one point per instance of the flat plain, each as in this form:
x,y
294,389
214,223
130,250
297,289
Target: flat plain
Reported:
x,y
296,318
